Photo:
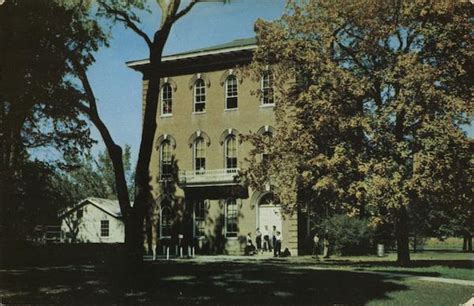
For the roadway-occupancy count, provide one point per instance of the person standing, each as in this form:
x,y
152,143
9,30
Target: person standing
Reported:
x,y
258,240
266,239
274,240
316,246
278,241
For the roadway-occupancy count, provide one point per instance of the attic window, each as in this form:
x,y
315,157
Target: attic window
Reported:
x,y
79,213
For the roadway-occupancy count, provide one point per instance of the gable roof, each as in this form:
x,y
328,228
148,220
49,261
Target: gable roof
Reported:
x,y
232,46
110,207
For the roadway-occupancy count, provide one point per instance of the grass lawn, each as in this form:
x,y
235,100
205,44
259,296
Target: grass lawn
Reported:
x,y
451,243
447,264
225,280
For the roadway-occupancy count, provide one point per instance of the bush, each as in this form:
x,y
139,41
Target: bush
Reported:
x,y
346,235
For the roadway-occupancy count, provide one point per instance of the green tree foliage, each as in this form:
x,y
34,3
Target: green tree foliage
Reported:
x,y
39,100
36,198
346,235
369,94
92,176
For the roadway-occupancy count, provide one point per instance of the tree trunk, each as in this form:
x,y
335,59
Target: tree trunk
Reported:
x,y
469,243
464,242
403,244
142,174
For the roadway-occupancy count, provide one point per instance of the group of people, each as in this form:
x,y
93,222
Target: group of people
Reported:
x,y
266,242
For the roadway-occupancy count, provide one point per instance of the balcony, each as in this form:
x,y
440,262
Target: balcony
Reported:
x,y
214,177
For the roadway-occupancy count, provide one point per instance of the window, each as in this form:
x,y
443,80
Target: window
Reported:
x,y
104,228
199,218
165,160
231,92
166,220
267,89
79,213
266,156
231,218
199,96
199,154
166,99
230,152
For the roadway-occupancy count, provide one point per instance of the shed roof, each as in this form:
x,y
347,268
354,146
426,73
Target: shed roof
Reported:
x,y
111,207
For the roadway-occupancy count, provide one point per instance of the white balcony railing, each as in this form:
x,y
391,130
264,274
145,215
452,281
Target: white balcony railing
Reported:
x,y
208,177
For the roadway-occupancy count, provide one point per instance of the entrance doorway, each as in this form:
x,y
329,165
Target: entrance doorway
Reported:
x,y
269,213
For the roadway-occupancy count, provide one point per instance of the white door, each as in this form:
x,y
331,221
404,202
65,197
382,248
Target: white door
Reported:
x,y
269,215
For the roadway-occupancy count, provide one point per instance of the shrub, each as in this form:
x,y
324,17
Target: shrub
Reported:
x,y
347,235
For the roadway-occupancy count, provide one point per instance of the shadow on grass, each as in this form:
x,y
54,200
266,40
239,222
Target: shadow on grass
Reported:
x,y
193,282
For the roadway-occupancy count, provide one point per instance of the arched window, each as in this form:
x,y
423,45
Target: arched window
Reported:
x,y
267,89
231,92
165,159
166,219
230,152
166,99
199,154
199,96
231,218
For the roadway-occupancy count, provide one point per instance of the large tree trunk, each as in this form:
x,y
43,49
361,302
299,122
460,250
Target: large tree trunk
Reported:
x,y
401,232
142,178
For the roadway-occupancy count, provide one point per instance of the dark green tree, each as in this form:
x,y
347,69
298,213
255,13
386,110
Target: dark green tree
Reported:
x,y
38,96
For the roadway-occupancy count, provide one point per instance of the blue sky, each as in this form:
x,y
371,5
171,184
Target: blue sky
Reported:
x,y
118,88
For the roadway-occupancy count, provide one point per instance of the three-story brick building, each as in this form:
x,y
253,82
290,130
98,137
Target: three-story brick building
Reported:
x,y
205,104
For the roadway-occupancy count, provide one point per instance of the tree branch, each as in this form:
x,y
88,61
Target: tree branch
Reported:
x,y
184,11
125,18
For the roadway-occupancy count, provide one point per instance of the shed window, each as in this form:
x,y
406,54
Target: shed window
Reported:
x,y
104,228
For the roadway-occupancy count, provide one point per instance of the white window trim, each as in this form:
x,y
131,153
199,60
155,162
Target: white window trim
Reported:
x,y
225,150
194,97
264,105
162,101
194,153
226,94
225,220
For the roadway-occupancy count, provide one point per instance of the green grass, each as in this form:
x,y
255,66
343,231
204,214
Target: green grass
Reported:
x,y
451,243
445,264
426,293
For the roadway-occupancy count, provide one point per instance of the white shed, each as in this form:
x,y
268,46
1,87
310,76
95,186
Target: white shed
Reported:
x,y
93,220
